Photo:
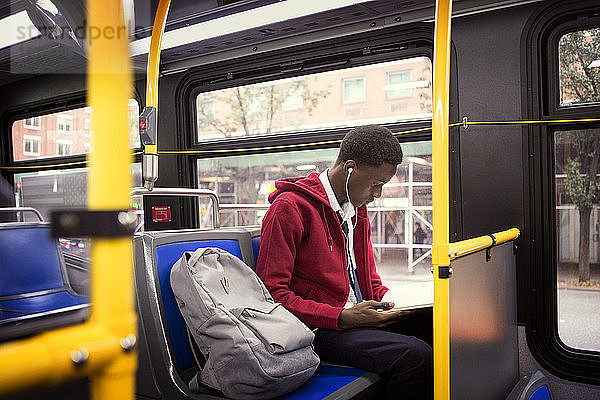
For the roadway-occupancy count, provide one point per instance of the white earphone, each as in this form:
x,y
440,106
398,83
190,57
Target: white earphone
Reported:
x,y
348,192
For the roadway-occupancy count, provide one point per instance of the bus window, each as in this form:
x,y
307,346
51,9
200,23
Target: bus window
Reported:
x,y
579,67
58,189
374,94
577,186
400,220
62,134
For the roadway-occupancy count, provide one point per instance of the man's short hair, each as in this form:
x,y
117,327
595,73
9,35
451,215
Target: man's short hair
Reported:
x,y
372,145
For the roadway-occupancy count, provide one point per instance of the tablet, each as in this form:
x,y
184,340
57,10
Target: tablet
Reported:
x,y
411,307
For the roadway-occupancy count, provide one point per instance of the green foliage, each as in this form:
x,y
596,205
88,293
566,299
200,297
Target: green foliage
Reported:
x,y
577,50
584,192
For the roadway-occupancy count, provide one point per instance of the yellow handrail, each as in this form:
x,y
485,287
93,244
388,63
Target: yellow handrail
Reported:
x,y
469,246
441,231
158,30
100,347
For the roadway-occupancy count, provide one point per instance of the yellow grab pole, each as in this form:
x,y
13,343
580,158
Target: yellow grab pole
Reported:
x,y
464,247
109,184
158,30
441,231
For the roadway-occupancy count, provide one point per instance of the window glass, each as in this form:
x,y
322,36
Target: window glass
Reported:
x,y
62,134
58,189
579,67
401,220
342,98
577,183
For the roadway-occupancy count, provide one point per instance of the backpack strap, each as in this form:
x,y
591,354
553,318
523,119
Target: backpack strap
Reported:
x,y
194,384
198,356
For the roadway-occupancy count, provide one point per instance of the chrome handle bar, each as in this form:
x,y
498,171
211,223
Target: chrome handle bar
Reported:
x,y
244,206
183,192
24,209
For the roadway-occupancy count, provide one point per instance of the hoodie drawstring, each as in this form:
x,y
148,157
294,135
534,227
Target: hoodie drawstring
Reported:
x,y
329,237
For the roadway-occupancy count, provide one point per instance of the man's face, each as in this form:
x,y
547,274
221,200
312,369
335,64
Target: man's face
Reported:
x,y
366,182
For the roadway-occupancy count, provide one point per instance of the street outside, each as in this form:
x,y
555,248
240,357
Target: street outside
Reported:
x,y
578,317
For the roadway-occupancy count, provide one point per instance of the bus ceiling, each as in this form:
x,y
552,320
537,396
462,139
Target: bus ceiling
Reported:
x,y
52,33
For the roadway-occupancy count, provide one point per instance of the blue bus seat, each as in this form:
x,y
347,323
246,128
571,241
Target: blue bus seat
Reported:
x,y
166,359
531,387
35,293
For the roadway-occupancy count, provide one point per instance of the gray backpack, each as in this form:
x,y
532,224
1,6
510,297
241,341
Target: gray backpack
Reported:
x,y
254,348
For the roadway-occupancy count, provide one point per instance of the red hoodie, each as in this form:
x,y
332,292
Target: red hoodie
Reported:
x,y
302,258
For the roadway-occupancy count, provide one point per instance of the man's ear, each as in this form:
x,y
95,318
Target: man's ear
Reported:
x,y
349,164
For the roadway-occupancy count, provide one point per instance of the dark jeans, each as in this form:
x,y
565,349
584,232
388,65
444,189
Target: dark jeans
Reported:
x,y
395,353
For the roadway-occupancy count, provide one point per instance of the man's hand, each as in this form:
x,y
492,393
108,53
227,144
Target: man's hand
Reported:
x,y
366,315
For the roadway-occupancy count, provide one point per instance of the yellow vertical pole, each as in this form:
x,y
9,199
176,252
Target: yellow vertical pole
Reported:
x,y
441,231
158,30
109,183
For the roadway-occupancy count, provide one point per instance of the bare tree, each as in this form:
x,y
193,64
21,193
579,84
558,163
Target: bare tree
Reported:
x,y
253,108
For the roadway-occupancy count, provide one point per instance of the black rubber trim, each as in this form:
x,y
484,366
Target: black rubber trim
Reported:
x,y
444,272
86,223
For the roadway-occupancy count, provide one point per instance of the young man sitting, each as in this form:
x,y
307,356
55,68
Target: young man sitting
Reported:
x,y
317,260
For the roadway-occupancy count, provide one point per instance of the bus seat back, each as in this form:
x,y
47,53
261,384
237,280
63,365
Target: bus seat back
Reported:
x,y
35,294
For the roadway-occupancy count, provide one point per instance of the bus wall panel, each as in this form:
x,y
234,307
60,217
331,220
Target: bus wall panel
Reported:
x,y
489,81
483,325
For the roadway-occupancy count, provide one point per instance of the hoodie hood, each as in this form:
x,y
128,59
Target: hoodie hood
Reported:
x,y
310,185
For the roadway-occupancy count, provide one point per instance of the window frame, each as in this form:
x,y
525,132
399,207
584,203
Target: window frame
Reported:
x,y
64,142
68,119
32,138
538,295
33,127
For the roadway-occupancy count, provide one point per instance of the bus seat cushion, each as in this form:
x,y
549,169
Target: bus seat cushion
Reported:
x,y
326,380
31,306
541,394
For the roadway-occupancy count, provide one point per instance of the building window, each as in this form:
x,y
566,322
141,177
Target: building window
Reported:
x,y
353,112
31,145
63,147
353,90
64,123
293,100
398,107
398,84
32,123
